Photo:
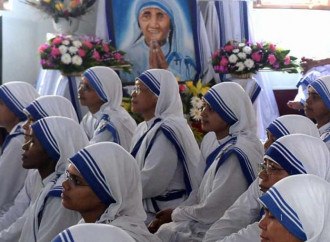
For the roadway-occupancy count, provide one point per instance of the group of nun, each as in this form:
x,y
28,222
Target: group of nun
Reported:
x,y
109,179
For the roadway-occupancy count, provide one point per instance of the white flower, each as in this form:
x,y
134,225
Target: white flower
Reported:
x,y
232,58
235,51
77,43
76,60
66,42
73,49
247,50
242,55
249,63
196,102
241,44
195,113
63,49
66,59
240,66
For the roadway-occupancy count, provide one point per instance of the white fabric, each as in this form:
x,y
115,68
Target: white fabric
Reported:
x,y
122,179
249,234
118,116
325,134
246,208
219,189
93,232
70,138
310,202
153,175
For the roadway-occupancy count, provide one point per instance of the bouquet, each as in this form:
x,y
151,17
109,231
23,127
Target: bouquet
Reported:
x,y
74,55
191,96
245,57
62,8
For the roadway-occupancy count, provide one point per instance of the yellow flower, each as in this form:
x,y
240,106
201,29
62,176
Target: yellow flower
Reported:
x,y
59,6
46,1
197,90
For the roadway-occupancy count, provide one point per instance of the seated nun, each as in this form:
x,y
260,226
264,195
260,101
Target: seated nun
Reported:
x,y
11,223
246,209
101,91
289,155
14,97
231,166
52,141
297,209
163,145
93,232
103,184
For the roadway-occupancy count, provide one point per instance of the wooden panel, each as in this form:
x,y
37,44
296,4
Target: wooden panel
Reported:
x,y
282,97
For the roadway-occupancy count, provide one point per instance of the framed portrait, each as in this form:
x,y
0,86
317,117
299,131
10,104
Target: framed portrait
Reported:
x,y
156,34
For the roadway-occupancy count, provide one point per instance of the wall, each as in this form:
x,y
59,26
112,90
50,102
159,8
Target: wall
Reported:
x,y
24,29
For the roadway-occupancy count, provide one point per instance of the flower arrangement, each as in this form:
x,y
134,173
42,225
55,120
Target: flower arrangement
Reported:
x,y
191,96
62,8
245,57
75,55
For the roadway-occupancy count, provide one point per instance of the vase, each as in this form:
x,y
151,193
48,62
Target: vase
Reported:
x,y
66,26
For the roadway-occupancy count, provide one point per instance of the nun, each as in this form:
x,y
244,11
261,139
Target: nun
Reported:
x,y
103,184
246,209
14,97
101,91
290,155
230,168
296,212
12,221
318,106
164,146
52,142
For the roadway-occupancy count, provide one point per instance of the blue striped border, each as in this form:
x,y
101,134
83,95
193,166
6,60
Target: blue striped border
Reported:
x,y
36,111
322,89
96,83
277,129
150,81
12,102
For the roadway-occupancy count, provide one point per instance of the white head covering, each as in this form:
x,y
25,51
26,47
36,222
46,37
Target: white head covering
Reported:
x,y
113,175
51,105
234,106
322,87
293,124
301,154
108,86
169,109
17,95
93,232
302,205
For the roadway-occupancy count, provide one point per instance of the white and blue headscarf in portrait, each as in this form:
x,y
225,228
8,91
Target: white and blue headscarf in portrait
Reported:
x,y
61,138
17,95
93,232
169,114
234,106
51,105
115,118
301,154
293,124
302,205
113,175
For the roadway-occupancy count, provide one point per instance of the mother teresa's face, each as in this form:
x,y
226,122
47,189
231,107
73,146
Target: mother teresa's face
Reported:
x,y
273,231
155,25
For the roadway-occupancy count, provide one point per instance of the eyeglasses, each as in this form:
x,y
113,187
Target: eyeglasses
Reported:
x,y
268,168
75,180
136,89
85,87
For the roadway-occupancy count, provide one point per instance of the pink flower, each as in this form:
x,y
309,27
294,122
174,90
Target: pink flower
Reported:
x,y
88,44
117,56
55,52
272,47
81,53
271,59
256,56
57,41
259,45
215,54
42,48
96,55
224,61
228,48
106,48
276,65
287,60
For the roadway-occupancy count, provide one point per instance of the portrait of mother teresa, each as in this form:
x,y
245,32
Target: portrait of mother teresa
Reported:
x,y
160,37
